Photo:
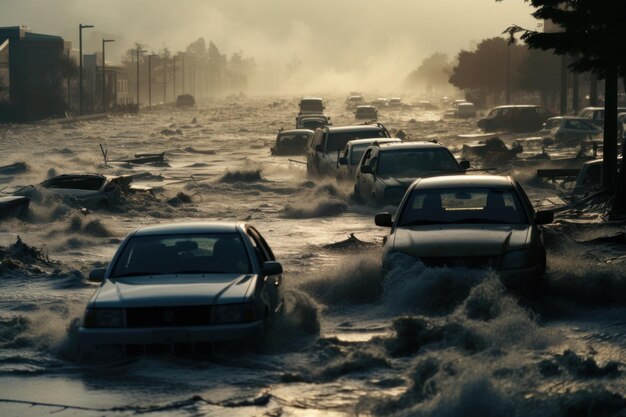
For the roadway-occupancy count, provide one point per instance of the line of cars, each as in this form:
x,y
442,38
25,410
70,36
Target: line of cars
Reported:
x,y
188,286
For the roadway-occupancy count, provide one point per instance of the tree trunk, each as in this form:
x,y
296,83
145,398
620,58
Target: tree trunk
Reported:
x,y
593,91
609,167
563,85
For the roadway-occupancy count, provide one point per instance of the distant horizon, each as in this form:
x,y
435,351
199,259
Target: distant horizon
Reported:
x,y
378,42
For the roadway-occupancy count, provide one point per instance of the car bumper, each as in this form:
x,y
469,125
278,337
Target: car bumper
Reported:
x,y
92,338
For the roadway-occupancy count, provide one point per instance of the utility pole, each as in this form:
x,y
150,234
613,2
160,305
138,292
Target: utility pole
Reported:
x,y
150,79
104,75
80,65
174,78
139,51
183,55
164,66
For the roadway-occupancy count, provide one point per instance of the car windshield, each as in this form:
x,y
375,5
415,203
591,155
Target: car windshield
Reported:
x,y
337,140
415,162
292,140
313,123
578,124
223,253
463,206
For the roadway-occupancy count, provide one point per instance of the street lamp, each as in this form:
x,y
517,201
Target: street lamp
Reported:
x,y
512,41
174,78
80,60
104,75
139,51
150,79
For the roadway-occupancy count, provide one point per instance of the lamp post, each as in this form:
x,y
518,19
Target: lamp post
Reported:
x,y
80,65
139,51
164,66
508,66
174,78
183,55
150,79
104,75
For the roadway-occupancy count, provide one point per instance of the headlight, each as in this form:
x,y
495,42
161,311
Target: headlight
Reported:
x,y
104,317
234,313
518,260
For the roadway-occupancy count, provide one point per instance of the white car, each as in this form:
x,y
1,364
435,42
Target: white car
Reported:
x,y
470,221
183,285
351,156
570,131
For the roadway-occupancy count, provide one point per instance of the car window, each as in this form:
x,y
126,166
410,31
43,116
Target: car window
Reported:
x,y
357,153
578,125
463,206
338,140
183,254
415,162
366,157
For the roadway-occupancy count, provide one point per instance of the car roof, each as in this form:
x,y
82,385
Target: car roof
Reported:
x,y
311,116
410,145
373,140
307,131
311,98
569,118
518,106
188,228
353,128
365,106
463,181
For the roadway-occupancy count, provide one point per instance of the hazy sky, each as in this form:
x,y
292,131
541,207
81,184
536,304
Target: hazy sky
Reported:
x,y
338,34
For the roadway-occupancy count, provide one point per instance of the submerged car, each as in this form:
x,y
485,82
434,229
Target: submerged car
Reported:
x,y
312,121
324,148
184,286
185,100
366,113
569,131
311,105
519,118
386,171
13,206
352,154
482,221
596,114
291,142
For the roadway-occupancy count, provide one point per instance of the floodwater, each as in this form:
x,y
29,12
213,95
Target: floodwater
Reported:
x,y
419,341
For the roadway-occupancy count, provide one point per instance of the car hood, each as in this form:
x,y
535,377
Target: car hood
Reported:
x,y
173,290
403,182
461,240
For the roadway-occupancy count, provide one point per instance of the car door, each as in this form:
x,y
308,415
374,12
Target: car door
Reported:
x,y
272,284
312,156
360,178
368,180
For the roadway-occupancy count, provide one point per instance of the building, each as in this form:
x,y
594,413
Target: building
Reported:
x,y
116,85
32,67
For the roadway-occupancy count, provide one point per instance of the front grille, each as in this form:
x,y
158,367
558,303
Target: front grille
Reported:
x,y
472,262
168,316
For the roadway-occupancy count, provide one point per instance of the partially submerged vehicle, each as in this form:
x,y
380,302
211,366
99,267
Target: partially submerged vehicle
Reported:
x,y
13,206
312,121
569,131
470,221
386,171
94,189
291,142
352,154
185,100
395,102
184,286
353,101
311,105
596,114
324,148
516,118
366,112
381,102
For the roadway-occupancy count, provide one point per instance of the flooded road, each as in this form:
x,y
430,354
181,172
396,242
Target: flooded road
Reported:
x,y
417,341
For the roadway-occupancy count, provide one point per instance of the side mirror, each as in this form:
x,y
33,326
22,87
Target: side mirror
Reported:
x,y
544,217
367,169
343,161
383,220
97,275
465,165
272,268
